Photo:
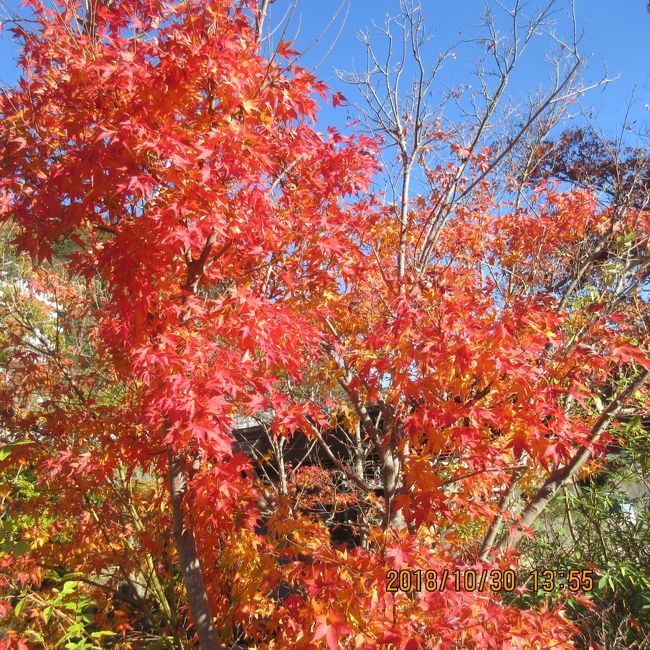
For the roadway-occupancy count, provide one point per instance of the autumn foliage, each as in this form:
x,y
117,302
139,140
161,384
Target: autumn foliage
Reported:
x,y
203,251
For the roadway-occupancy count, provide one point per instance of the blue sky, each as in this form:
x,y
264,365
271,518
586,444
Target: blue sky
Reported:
x,y
615,38
616,35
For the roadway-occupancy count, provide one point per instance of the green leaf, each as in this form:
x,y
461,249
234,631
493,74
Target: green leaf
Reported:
x,y
20,548
33,635
69,587
19,607
633,423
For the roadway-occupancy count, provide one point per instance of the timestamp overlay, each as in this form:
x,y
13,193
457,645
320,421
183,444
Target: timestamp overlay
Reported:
x,y
495,580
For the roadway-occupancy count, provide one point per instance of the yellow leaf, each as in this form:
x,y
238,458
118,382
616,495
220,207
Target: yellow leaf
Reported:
x,y
248,106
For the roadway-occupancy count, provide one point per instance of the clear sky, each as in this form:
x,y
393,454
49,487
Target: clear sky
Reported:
x,y
616,36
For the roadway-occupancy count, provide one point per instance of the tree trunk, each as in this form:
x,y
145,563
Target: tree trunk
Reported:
x,y
189,559
391,479
358,468
278,448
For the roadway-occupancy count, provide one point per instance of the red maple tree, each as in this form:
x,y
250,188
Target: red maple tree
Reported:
x,y
207,253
